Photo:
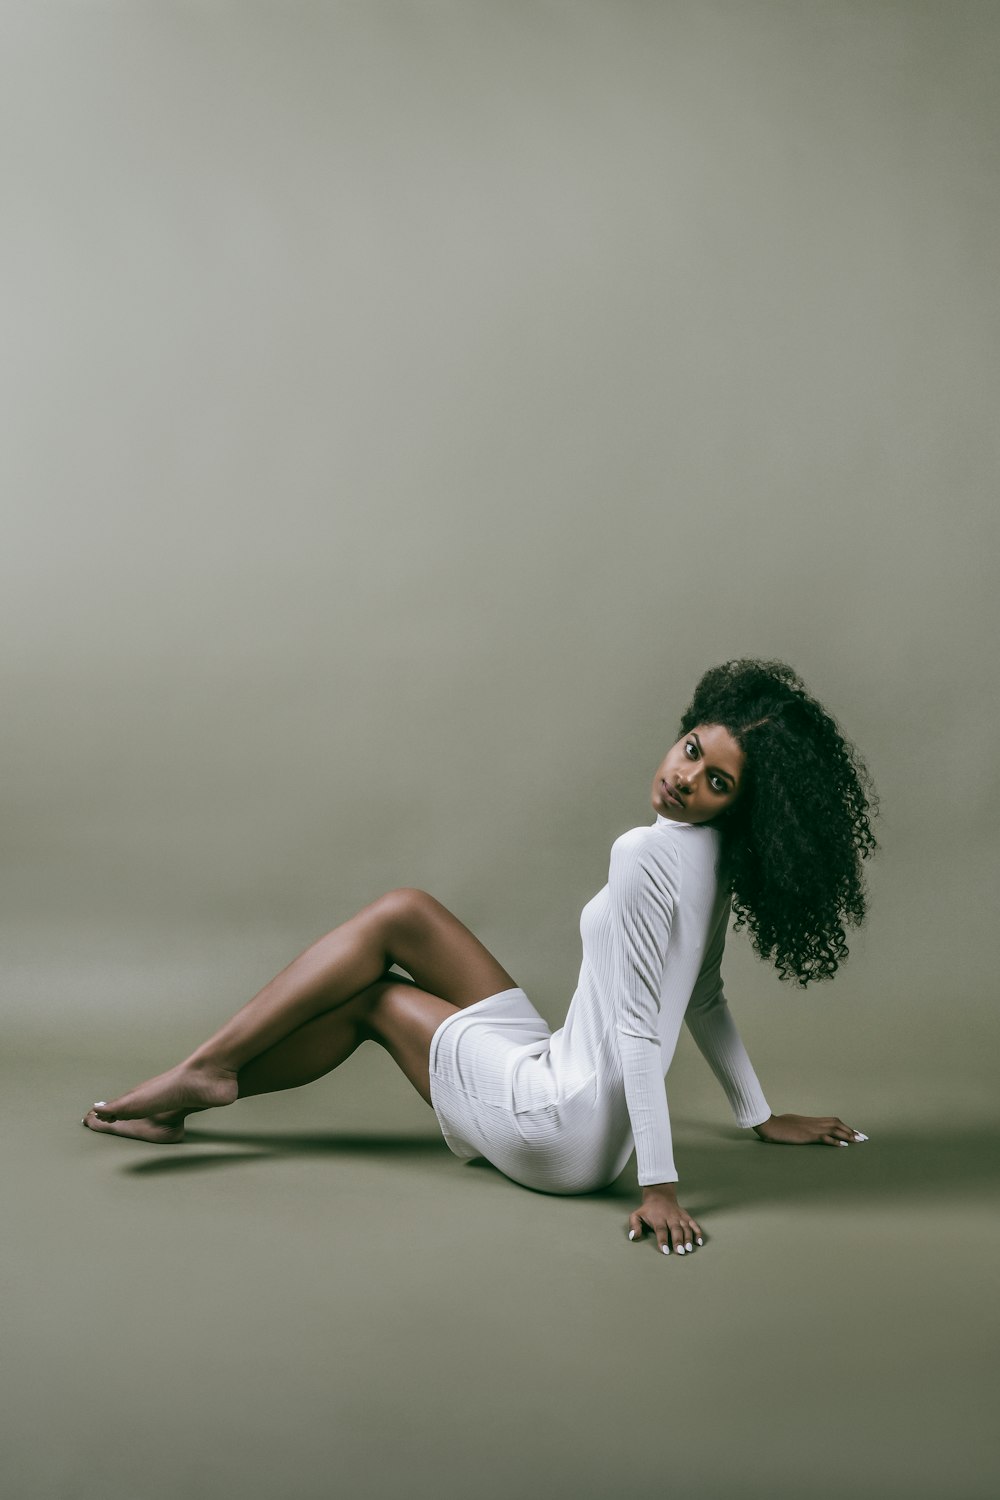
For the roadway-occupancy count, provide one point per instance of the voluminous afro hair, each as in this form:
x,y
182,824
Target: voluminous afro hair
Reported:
x,y
794,840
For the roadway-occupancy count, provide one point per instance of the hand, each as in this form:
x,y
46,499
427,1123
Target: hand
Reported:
x,y
662,1213
808,1130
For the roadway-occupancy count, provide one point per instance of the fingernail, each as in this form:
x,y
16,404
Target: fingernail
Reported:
x,y
688,1246
841,1143
680,1249
701,1241
631,1234
665,1249
99,1103
859,1137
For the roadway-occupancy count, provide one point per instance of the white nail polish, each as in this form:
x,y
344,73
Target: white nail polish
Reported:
x,y
859,1137
841,1143
680,1249
701,1241
665,1249
688,1245
99,1103
631,1234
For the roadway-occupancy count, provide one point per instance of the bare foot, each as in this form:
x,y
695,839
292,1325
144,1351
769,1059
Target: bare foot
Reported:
x,y
185,1087
162,1130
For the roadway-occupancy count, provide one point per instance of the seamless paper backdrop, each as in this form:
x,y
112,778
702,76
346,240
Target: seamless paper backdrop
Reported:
x,y
407,402
404,404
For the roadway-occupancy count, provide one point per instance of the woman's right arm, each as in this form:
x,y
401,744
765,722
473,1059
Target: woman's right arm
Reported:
x,y
711,1024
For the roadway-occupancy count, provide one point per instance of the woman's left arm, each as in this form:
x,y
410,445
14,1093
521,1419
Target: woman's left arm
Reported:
x,y
642,892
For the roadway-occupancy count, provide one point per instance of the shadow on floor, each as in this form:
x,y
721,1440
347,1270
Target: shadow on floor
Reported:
x,y
285,1143
723,1168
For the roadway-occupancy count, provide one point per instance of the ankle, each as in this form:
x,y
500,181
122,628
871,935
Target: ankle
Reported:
x,y
210,1066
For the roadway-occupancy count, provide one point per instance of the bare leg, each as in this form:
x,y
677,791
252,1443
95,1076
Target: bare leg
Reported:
x,y
309,1052
327,975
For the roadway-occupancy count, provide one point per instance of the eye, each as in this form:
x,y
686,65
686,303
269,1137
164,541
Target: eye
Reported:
x,y
716,782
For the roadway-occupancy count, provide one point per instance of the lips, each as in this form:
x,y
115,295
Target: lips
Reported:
x,y
670,794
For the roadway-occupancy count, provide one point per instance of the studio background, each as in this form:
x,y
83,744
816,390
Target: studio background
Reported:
x,y
405,404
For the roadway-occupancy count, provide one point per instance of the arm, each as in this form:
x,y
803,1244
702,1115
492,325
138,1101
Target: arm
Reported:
x,y
714,1030
643,888
710,1023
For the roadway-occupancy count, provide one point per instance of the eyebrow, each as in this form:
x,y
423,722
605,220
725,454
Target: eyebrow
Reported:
x,y
718,771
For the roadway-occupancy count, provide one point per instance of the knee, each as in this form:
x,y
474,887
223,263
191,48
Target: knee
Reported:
x,y
406,906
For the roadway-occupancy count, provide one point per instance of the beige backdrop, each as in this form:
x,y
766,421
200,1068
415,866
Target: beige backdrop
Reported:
x,y
405,404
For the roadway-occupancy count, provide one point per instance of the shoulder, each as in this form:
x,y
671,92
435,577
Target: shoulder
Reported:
x,y
645,856
660,852
646,836
670,841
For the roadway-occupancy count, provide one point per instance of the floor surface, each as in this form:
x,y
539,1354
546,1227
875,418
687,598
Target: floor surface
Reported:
x,y
313,1297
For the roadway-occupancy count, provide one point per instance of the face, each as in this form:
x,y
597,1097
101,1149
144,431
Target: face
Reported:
x,y
704,771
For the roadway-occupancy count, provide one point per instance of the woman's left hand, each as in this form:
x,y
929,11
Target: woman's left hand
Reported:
x,y
808,1130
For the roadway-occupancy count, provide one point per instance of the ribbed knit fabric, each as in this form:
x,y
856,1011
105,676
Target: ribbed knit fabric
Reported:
x,y
562,1111
653,941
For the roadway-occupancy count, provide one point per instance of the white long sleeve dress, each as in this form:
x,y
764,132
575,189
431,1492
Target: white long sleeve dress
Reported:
x,y
562,1111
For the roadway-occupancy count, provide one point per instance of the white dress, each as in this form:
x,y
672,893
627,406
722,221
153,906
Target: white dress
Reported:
x,y
562,1111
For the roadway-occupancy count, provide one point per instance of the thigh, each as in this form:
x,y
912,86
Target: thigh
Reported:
x,y
444,958
402,1018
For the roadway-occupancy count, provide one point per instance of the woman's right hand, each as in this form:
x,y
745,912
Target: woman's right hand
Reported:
x,y
673,1226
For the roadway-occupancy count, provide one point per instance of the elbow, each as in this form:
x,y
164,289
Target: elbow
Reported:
x,y
627,1036
703,1001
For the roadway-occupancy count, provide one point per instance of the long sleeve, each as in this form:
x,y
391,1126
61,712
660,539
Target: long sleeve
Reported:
x,y
643,888
710,1023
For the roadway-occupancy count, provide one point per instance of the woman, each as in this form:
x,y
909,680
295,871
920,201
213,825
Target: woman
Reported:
x,y
761,809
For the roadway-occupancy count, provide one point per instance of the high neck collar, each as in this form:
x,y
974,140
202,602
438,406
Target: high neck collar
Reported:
x,y
673,823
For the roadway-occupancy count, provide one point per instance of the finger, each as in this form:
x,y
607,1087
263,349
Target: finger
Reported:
x,y
635,1227
678,1237
696,1231
663,1241
682,1236
691,1239
832,1140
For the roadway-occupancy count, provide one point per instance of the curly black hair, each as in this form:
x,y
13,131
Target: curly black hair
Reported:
x,y
794,839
